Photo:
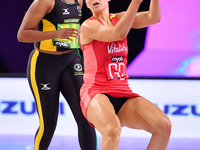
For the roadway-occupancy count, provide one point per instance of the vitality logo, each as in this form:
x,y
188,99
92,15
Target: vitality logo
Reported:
x,y
116,48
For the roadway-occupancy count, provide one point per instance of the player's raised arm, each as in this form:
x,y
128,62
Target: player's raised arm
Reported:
x,y
93,29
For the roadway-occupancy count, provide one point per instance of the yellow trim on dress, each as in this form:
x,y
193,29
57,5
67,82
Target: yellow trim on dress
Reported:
x,y
47,44
112,16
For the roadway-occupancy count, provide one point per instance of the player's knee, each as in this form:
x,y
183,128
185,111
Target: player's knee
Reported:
x,y
165,127
112,130
49,130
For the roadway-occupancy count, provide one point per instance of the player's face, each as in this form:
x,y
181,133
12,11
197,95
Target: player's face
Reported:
x,y
96,5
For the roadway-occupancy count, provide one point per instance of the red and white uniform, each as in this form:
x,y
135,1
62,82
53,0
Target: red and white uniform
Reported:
x,y
105,70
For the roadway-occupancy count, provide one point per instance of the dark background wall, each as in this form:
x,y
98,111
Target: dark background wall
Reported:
x,y
14,55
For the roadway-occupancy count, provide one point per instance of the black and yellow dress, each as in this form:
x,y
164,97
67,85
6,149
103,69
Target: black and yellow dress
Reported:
x,y
50,74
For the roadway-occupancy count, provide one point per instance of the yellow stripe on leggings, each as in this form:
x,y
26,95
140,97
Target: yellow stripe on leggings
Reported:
x,y
37,97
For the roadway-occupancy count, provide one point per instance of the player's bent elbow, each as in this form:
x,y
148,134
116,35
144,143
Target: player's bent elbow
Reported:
x,y
156,20
19,38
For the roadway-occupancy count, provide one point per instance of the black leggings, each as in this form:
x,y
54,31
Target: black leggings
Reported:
x,y
48,75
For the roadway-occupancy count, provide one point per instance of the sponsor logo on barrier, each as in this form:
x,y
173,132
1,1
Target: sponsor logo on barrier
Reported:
x,y
16,107
29,108
181,110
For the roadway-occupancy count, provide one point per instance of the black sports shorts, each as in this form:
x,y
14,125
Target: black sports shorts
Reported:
x,y
117,102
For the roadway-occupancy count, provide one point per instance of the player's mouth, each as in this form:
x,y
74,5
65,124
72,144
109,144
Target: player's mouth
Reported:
x,y
96,3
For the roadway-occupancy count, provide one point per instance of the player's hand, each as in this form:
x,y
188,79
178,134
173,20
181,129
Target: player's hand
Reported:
x,y
68,33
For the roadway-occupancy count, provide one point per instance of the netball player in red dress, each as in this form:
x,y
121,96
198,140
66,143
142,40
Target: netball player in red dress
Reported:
x,y
106,98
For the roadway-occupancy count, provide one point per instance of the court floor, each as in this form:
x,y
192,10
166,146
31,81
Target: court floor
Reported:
x,y
25,142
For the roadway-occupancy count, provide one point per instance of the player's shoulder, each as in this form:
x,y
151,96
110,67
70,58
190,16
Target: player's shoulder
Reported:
x,y
119,15
89,23
44,2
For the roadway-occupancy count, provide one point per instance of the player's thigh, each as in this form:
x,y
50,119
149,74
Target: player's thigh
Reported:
x,y
101,113
140,113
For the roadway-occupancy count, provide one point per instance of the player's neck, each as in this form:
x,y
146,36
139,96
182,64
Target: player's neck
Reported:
x,y
103,17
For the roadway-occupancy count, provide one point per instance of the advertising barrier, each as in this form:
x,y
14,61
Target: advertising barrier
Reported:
x,y
179,99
